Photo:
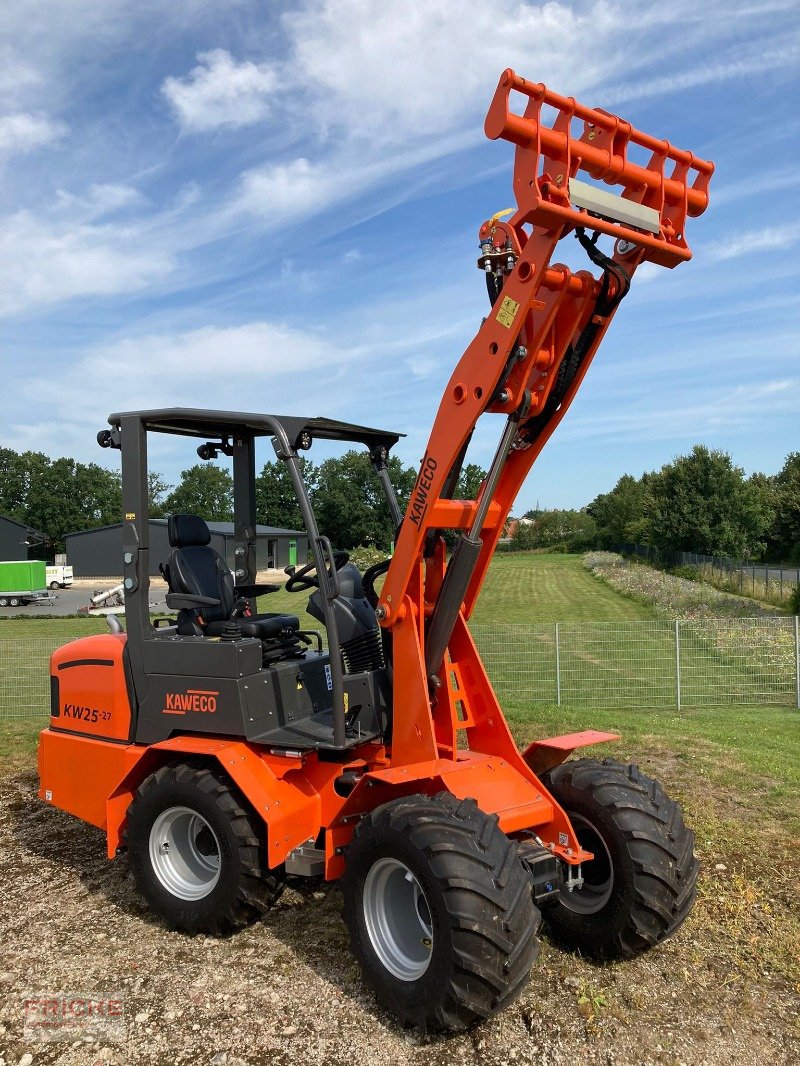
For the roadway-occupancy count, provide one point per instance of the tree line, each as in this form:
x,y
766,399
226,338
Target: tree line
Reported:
x,y
701,502
60,496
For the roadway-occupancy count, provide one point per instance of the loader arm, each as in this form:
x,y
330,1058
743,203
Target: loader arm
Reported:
x,y
531,353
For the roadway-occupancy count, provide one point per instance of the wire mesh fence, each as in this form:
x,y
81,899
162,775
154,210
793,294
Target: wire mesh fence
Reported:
x,y
682,664
767,581
649,664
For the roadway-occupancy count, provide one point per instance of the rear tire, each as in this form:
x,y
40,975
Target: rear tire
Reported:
x,y
3,601
641,884
13,602
197,852
54,585
440,911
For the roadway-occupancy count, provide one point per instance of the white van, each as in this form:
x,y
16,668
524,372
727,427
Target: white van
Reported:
x,y
59,577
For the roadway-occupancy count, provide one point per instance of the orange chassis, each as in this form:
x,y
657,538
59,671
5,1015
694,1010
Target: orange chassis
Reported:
x,y
450,735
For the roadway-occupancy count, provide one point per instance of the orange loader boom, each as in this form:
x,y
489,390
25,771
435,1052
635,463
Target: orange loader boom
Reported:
x,y
530,355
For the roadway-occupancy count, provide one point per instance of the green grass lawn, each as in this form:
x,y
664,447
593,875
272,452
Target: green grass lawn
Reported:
x,y
529,588
751,754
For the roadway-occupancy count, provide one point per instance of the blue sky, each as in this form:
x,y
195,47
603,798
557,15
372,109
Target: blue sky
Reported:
x,y
231,203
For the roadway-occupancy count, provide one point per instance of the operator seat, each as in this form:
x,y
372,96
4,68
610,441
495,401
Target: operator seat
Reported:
x,y
196,569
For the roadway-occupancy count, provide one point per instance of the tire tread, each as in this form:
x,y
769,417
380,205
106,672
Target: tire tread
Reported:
x,y
652,826
257,888
493,919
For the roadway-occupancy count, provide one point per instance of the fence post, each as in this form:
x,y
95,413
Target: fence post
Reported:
x,y
558,670
678,663
797,660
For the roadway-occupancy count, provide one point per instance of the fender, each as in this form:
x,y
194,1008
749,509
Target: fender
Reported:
x,y
290,795
281,791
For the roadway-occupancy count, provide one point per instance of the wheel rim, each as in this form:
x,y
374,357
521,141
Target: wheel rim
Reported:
x,y
398,919
184,853
598,875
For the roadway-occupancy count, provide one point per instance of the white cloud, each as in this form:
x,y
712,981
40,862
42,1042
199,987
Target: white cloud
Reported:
x,y
44,260
253,366
301,188
686,417
100,201
390,71
213,352
766,239
283,189
24,132
221,92
706,74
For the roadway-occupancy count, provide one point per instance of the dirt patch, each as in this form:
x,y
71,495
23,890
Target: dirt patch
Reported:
x,y
287,989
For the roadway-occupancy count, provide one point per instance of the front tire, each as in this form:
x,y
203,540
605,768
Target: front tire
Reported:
x,y
197,853
641,884
440,911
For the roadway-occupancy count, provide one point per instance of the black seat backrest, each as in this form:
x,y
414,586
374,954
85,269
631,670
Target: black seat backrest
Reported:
x,y
196,568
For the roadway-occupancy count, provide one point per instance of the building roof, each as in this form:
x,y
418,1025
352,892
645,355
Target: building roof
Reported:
x,y
225,528
23,525
229,529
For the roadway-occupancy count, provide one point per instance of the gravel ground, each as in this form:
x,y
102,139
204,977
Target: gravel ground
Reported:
x,y
287,989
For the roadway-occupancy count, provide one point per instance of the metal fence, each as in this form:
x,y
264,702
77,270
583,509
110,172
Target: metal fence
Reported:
x,y
649,664
749,578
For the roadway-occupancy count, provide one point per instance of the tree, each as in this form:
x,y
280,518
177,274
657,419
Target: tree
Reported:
x,y
18,472
470,481
785,529
276,500
205,490
571,530
64,496
621,515
157,489
349,502
702,503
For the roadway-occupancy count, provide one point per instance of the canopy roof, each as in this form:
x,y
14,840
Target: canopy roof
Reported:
x,y
193,422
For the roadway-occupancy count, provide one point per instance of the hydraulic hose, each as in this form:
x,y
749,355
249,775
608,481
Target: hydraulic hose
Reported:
x,y
605,303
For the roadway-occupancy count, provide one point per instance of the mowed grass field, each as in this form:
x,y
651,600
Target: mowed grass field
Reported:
x,y
736,771
529,588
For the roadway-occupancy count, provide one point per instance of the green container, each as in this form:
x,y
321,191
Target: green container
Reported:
x,y
27,575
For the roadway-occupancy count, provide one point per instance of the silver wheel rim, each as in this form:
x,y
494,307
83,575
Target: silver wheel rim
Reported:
x,y
398,919
598,874
184,853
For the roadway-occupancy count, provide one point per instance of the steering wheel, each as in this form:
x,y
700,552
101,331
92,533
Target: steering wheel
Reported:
x,y
307,578
369,577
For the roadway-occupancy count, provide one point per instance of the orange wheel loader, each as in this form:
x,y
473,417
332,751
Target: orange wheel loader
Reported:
x,y
229,750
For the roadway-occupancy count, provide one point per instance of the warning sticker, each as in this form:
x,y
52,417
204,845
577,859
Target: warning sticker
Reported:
x,y
130,516
508,312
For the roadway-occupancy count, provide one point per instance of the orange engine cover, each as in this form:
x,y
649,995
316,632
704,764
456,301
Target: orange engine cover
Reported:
x,y
89,688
